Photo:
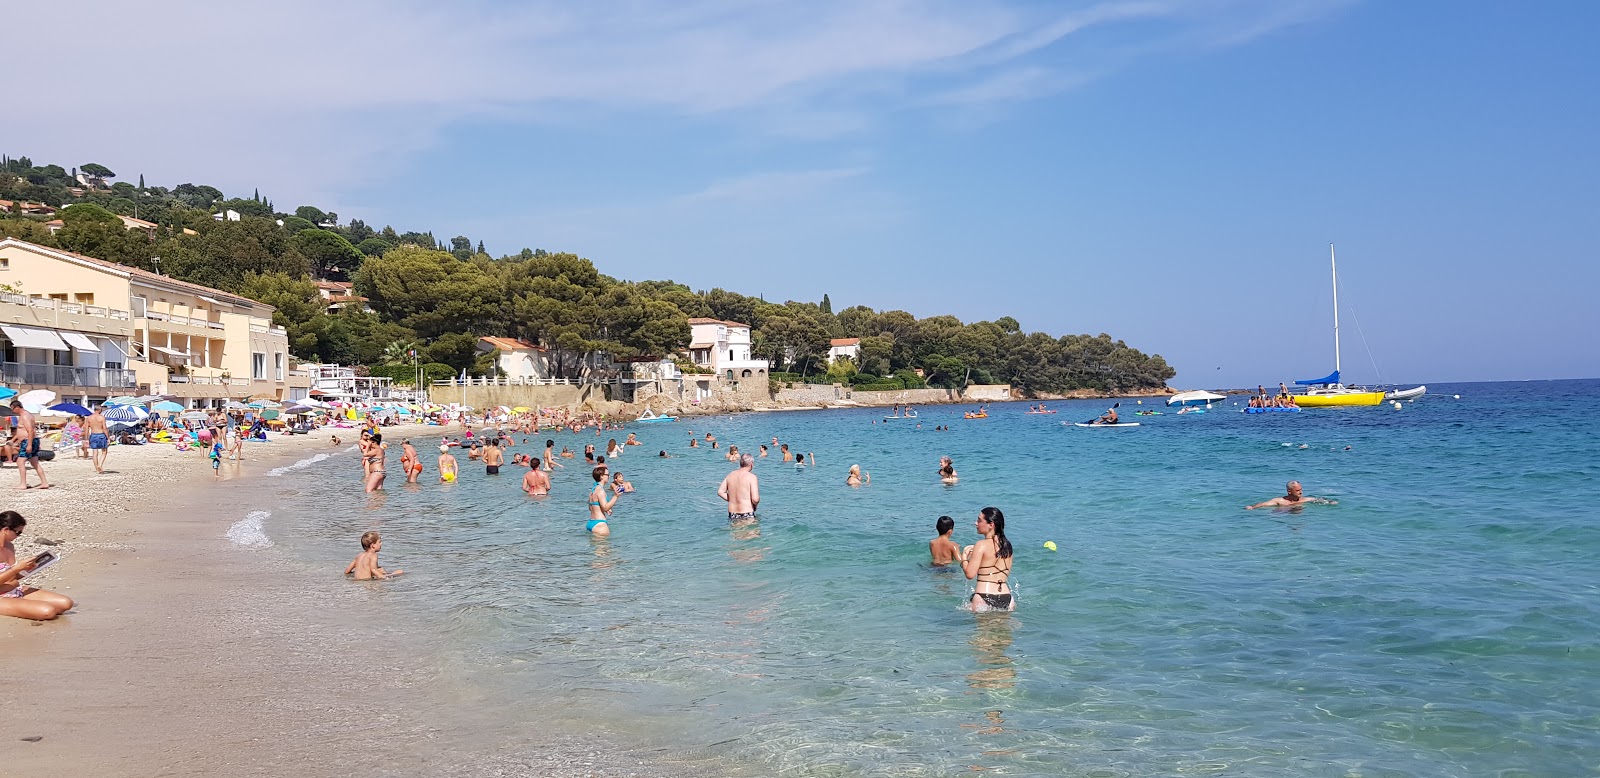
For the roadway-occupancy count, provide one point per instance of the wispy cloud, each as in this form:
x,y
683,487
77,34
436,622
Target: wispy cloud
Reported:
x,y
312,97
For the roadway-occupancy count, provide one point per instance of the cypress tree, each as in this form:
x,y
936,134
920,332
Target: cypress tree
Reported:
x,y
141,181
827,305
480,248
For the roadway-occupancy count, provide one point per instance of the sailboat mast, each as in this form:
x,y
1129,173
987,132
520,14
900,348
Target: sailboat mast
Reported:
x,y
1334,265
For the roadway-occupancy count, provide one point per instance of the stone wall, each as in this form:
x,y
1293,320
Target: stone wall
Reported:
x,y
992,393
515,396
842,394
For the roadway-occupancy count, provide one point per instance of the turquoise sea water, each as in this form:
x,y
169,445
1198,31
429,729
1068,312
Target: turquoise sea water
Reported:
x,y
1440,620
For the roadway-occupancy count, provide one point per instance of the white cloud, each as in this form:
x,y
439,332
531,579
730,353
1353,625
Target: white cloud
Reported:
x,y
308,99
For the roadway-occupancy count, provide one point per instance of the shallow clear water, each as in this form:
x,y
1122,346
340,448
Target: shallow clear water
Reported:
x,y
1439,621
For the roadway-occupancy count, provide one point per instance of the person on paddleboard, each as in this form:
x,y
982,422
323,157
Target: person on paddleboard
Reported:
x,y
1109,417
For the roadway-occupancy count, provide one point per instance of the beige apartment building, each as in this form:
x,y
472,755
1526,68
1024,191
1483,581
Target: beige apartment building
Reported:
x,y
89,329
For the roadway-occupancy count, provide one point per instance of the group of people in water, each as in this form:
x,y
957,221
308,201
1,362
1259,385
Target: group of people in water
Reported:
x,y
1280,400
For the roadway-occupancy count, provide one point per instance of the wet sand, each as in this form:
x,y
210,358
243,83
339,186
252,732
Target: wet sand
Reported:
x,y
188,655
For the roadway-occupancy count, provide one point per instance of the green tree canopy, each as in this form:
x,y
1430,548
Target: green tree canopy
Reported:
x,y
330,255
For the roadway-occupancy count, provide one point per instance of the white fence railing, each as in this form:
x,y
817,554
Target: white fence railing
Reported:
x,y
486,381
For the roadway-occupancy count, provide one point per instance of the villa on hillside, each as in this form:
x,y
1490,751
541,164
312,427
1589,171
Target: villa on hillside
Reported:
x,y
338,295
844,348
89,329
724,347
519,360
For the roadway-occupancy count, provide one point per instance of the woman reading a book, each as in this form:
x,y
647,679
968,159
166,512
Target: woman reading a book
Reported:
x,y
16,599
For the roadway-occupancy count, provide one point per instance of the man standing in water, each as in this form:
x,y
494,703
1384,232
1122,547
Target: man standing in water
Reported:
x,y
535,483
1292,499
99,438
742,492
27,436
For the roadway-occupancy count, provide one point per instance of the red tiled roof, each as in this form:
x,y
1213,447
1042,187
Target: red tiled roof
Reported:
x,y
334,285
511,344
844,342
139,274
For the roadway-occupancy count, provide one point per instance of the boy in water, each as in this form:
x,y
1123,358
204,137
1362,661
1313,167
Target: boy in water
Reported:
x,y
944,548
365,566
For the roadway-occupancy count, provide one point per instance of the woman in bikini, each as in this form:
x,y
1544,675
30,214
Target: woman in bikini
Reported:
x,y
600,505
613,450
17,599
988,563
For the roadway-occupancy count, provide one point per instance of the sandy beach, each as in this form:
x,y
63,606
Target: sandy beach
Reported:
x,y
190,655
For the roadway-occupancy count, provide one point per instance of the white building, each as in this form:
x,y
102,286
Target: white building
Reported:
x,y
844,348
724,347
518,359
337,381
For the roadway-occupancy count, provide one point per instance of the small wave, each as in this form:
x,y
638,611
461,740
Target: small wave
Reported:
x,y
304,463
248,531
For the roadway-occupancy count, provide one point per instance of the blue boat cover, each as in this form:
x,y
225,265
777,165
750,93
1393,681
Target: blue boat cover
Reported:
x,y
1331,379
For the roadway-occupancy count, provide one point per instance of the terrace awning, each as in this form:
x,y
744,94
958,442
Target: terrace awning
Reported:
x,y
171,352
33,337
79,342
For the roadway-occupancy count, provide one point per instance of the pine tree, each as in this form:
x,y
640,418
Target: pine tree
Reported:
x,y
827,305
480,248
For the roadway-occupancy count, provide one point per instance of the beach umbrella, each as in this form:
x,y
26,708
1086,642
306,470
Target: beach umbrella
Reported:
x,y
521,409
298,409
166,406
270,414
124,400
39,397
7,393
195,416
146,399
235,405
72,408
128,414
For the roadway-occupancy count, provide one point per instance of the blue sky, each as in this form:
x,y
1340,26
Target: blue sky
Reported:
x,y
1167,171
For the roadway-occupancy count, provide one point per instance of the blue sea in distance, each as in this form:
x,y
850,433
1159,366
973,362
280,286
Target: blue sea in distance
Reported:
x,y
1441,620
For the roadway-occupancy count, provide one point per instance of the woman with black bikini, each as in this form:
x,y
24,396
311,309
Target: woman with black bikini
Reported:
x,y
988,563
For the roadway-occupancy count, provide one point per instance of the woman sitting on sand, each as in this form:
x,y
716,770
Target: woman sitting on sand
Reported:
x,y
16,599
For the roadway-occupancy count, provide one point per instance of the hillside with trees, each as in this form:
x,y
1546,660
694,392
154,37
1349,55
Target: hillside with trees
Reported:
x,y
439,296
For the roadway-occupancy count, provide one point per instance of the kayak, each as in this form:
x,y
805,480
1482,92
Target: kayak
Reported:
x,y
1118,424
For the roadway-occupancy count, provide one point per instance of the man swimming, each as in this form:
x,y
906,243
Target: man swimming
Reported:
x,y
1292,498
742,490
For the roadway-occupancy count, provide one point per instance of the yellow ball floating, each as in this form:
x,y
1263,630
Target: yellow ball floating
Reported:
x,y
1050,544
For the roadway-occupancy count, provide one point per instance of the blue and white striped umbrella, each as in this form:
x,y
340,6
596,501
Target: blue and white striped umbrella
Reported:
x,y
125,413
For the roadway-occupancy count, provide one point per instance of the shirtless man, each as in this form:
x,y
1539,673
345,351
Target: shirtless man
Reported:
x,y
742,492
1109,417
27,436
1293,498
493,457
99,439
536,483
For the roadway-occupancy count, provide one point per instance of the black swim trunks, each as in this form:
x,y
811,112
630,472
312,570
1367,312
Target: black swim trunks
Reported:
x,y
741,516
492,469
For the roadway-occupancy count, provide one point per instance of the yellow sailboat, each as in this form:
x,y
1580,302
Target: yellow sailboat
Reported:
x,y
1327,392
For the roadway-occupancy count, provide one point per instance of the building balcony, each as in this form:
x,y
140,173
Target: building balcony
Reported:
x,y
15,373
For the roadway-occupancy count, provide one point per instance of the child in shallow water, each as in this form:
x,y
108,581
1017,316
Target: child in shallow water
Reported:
x,y
365,566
